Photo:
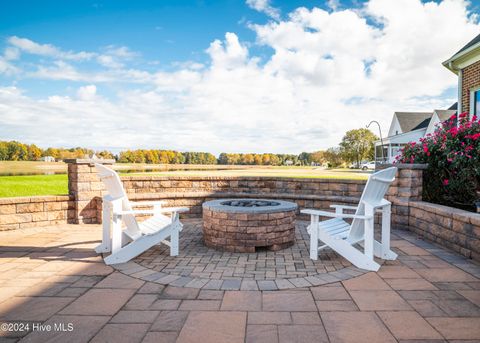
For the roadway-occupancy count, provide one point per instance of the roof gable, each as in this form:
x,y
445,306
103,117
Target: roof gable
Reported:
x,y
409,121
469,44
466,56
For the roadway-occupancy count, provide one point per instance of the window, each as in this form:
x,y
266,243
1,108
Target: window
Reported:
x,y
476,102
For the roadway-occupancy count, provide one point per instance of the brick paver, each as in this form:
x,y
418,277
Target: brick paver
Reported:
x,y
427,295
197,265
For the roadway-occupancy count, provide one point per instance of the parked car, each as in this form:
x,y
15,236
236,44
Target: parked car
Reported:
x,y
354,165
368,165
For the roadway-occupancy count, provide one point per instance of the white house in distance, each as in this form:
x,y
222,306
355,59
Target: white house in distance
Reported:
x,y
408,127
411,126
47,159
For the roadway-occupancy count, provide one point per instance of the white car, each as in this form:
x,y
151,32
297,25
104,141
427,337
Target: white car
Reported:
x,y
368,165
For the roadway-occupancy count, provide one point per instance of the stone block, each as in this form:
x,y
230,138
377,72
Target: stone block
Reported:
x,y
15,218
29,208
57,215
8,209
39,216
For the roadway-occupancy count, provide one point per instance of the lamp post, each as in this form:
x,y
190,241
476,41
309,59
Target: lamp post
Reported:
x,y
381,139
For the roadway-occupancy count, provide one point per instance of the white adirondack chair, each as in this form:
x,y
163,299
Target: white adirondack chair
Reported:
x,y
342,236
123,235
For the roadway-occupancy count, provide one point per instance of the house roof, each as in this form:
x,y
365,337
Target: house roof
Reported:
x,y
445,114
413,120
454,106
467,55
469,44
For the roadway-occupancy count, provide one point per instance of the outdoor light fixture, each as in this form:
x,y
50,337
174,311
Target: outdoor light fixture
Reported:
x,y
381,139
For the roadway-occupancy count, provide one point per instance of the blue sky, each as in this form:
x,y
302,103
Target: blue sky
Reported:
x,y
255,75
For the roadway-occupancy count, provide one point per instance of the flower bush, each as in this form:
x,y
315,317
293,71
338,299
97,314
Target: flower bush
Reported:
x,y
452,153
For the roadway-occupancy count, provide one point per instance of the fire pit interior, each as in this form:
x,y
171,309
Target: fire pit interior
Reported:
x,y
250,203
246,225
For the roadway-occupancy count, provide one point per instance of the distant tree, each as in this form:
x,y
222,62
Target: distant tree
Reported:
x,y
319,157
105,155
3,151
334,157
357,145
17,151
305,159
34,152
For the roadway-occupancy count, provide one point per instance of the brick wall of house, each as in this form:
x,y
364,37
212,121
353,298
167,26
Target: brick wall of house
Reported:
x,y
26,212
470,79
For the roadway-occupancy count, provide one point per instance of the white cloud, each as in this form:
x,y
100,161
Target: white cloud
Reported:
x,y
230,54
32,47
330,71
265,7
121,52
333,4
7,68
11,53
87,93
109,61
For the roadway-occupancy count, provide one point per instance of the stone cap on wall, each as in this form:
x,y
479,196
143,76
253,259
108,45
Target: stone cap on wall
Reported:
x,y
240,178
89,161
404,165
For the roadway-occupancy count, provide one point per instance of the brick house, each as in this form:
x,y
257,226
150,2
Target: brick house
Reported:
x,y
466,64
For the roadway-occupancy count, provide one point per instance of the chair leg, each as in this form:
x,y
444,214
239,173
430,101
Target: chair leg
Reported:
x,y
174,242
106,245
382,249
369,232
386,222
314,237
355,256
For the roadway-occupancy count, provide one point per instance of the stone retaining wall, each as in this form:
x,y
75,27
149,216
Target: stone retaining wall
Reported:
x,y
455,229
194,191
450,227
26,212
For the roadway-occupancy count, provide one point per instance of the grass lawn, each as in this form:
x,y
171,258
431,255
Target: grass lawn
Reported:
x,y
18,186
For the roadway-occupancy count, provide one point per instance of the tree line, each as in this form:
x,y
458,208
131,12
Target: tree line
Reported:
x,y
356,146
17,151
166,157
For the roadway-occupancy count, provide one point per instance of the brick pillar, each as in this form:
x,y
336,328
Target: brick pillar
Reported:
x,y
85,187
407,187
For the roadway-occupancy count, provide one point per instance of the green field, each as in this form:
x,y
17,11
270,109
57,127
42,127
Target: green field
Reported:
x,y
18,186
28,185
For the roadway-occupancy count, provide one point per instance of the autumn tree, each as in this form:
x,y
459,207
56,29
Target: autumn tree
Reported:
x,y
357,145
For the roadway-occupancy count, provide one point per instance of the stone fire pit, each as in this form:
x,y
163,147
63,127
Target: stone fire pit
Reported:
x,y
246,225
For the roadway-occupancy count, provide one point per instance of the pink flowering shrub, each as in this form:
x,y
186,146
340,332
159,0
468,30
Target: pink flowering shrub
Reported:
x,y
453,156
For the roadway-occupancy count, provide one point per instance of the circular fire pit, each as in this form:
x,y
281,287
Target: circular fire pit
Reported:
x,y
246,225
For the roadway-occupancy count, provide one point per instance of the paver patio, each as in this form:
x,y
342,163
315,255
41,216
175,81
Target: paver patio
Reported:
x,y
52,276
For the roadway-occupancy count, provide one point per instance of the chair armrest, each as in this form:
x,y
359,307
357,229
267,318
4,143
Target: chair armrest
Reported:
x,y
147,203
161,210
344,207
334,215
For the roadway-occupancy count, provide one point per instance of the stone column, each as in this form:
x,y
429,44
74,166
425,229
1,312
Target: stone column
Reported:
x,y
407,187
85,188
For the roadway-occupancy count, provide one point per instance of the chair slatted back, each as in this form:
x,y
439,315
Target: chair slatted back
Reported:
x,y
373,194
115,189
